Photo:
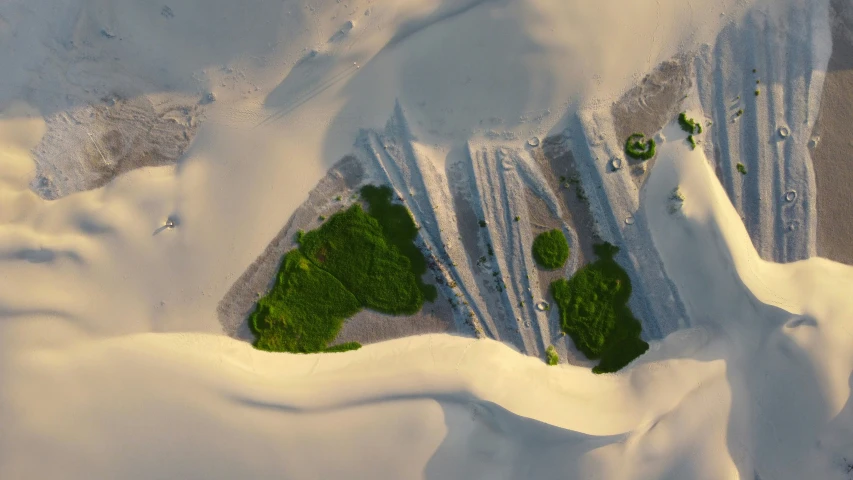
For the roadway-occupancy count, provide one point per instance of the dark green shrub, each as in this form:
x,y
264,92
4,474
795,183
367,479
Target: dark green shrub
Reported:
x,y
594,312
550,249
689,125
305,309
551,355
741,168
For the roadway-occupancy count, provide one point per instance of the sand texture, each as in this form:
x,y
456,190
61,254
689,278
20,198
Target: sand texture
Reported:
x,y
157,159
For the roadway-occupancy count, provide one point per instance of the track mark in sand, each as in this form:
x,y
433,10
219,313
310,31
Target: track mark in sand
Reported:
x,y
309,95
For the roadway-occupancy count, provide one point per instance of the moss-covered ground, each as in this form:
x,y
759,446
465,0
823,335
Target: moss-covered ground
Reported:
x,y
594,312
355,260
550,249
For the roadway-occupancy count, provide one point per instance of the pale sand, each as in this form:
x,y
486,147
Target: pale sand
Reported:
x,y
112,358
833,154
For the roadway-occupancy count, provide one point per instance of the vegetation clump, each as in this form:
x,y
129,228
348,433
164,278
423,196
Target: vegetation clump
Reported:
x,y
741,168
551,355
594,312
355,260
305,309
689,125
550,249
639,147
692,141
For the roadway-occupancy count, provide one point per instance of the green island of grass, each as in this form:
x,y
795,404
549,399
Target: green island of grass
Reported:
x,y
550,249
594,312
689,125
355,260
640,148
741,168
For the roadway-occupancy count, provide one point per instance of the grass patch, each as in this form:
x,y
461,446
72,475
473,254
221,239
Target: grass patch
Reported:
x,y
692,141
741,168
689,125
356,259
551,355
639,147
305,309
594,312
550,249
401,231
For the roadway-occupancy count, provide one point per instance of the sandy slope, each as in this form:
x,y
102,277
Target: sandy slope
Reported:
x,y
111,360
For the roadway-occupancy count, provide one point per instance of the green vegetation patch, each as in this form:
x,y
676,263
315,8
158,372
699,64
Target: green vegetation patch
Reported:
x,y
689,125
741,168
594,312
551,355
400,230
352,247
356,259
639,147
305,309
692,141
550,249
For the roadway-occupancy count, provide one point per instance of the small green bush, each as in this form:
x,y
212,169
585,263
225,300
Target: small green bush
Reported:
x,y
640,148
594,312
691,141
550,249
741,168
689,125
551,355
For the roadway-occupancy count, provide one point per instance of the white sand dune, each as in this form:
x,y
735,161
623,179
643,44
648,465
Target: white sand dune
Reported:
x,y
112,361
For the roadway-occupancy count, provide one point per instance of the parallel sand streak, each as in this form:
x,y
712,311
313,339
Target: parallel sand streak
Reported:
x,y
790,52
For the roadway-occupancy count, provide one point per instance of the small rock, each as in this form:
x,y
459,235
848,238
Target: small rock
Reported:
x,y
616,163
790,195
784,131
629,220
533,141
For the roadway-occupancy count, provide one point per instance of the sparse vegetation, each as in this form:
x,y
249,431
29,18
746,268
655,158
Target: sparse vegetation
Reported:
x,y
689,125
741,168
757,92
357,259
640,148
517,218
739,112
550,249
594,312
691,141
551,355
482,224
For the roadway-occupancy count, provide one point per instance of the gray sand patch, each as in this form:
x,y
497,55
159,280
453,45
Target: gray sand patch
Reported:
x,y
833,154
333,193
85,148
